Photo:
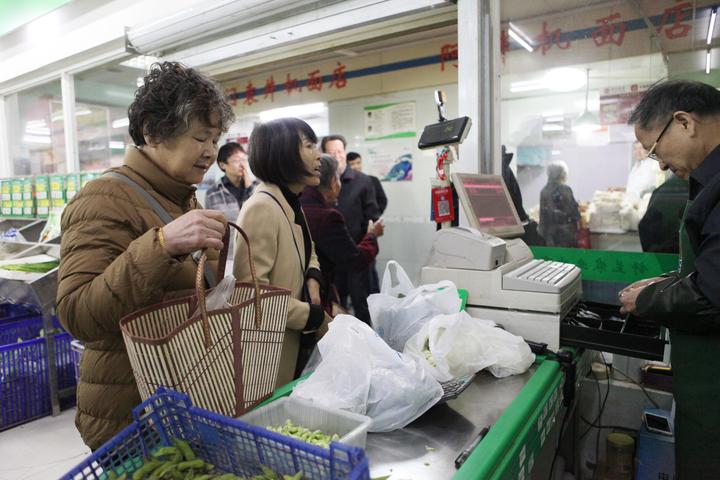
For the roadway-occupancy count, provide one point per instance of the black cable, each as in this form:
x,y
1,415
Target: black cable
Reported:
x,y
560,436
654,403
562,356
602,410
607,427
602,406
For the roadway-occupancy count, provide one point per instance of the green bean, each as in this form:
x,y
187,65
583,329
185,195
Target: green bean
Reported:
x,y
147,468
192,464
185,449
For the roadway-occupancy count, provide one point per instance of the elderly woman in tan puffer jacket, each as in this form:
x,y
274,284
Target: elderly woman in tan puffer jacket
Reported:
x,y
118,255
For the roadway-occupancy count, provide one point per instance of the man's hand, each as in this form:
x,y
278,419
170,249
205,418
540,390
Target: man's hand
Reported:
x,y
193,231
628,295
314,291
376,228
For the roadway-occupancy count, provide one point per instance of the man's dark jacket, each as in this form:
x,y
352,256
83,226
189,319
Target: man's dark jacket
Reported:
x,y
691,303
357,202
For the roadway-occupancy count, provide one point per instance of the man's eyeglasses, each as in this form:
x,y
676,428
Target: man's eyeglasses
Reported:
x,y
651,152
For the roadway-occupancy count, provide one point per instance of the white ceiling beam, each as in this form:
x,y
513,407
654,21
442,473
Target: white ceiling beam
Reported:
x,y
318,23
334,41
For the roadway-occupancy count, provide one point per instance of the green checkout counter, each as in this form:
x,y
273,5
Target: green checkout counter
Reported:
x,y
523,412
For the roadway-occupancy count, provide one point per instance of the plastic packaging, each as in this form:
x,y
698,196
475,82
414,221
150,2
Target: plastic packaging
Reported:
x,y
351,427
358,372
450,346
400,310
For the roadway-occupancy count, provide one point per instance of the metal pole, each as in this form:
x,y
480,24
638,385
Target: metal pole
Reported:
x,y
5,163
479,84
67,85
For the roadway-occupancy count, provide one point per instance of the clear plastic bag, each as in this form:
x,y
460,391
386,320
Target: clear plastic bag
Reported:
x,y
358,372
449,346
219,296
401,310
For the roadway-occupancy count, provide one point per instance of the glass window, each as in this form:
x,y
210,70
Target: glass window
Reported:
x,y
36,133
570,78
103,96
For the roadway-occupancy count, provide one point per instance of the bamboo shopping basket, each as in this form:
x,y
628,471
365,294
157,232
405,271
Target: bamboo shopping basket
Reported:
x,y
226,360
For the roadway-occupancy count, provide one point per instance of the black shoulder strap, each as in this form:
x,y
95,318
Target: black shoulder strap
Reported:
x,y
163,214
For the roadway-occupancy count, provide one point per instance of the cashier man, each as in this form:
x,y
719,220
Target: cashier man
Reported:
x,y
678,122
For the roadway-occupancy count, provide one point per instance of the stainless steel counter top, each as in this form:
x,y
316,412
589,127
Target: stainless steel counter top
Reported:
x,y
427,448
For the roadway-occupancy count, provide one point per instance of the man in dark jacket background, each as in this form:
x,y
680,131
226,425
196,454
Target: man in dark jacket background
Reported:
x,y
336,249
354,161
358,205
678,122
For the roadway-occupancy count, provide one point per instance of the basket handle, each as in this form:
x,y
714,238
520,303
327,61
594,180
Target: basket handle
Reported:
x,y
200,282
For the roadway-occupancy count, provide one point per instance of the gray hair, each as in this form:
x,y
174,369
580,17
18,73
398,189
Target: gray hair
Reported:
x,y
557,171
665,98
170,98
328,170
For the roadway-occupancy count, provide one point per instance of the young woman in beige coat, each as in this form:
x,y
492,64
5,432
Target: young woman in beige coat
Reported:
x,y
284,155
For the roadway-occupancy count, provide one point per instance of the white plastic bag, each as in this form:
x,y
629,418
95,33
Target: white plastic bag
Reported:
x,y
449,346
400,310
358,372
219,296
395,281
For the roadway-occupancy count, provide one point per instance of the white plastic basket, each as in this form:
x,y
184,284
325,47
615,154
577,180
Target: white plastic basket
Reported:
x,y
351,427
77,348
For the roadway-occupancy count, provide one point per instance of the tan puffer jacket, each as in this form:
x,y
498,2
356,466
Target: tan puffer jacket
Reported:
x,y
111,265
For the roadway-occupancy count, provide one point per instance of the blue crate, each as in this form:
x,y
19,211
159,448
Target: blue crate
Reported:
x,y
25,328
9,311
24,380
231,445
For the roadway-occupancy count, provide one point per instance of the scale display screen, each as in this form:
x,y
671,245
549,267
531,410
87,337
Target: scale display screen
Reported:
x,y
488,205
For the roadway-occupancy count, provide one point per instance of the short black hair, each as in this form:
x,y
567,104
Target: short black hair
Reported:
x,y
667,97
170,98
352,156
328,170
330,138
274,151
228,150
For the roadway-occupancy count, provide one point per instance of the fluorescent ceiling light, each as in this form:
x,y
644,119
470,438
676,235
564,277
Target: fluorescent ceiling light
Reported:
x,y
116,145
300,111
35,123
707,62
38,131
553,118
520,37
553,127
43,139
527,86
121,122
81,112
565,79
141,62
711,25
555,152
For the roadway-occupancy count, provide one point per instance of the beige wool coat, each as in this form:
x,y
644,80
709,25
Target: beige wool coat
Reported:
x,y
278,250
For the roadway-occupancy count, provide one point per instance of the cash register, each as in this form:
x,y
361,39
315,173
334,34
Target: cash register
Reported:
x,y
526,296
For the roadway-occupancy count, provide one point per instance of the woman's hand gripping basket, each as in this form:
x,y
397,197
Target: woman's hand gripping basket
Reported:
x,y
227,359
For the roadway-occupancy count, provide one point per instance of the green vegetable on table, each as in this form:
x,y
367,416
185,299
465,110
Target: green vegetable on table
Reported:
x,y
315,437
179,462
42,267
